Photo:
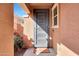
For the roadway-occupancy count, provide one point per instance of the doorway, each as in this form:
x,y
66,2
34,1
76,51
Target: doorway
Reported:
x,y
41,28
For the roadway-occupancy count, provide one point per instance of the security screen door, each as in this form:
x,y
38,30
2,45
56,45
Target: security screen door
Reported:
x,y
41,27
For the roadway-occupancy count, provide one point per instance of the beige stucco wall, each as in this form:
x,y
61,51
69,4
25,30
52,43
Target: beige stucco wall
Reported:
x,y
29,27
69,29
6,30
18,25
29,30
15,23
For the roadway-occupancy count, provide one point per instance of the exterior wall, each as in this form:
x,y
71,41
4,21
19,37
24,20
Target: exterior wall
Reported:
x,y
6,30
55,32
15,23
18,27
29,30
69,29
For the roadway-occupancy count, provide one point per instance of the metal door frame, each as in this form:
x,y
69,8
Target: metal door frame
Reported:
x,y
34,14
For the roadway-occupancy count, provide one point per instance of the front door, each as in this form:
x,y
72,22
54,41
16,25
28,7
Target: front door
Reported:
x,y
41,39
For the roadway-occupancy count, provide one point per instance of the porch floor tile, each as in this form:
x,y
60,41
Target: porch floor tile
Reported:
x,y
29,52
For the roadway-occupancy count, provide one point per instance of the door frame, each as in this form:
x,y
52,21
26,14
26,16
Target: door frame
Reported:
x,y
34,15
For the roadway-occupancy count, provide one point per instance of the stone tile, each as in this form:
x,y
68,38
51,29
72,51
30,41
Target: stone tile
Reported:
x,y
30,52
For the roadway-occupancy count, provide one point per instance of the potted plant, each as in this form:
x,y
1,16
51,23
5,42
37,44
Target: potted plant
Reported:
x,y
18,42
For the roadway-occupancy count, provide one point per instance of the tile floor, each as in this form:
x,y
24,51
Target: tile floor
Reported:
x,y
29,52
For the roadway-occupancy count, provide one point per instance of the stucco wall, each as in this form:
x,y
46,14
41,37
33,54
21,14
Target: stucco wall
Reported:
x,y
28,27
69,29
55,32
28,30
6,30
15,23
18,26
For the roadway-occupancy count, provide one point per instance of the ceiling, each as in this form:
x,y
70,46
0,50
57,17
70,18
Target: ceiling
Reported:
x,y
40,5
